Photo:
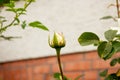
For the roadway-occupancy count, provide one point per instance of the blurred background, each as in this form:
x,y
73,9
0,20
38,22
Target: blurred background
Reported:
x,y
31,58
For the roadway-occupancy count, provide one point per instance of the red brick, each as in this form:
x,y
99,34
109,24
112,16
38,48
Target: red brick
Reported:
x,y
1,74
93,55
12,74
100,64
17,64
41,69
38,77
73,75
30,73
79,65
72,57
33,62
55,68
24,74
52,60
49,77
91,75
73,65
112,70
15,74
7,76
6,65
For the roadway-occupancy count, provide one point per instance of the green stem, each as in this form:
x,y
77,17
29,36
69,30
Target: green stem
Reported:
x,y
59,62
117,5
16,16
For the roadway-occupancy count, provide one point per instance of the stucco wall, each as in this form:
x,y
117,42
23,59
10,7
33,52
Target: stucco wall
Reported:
x,y
67,16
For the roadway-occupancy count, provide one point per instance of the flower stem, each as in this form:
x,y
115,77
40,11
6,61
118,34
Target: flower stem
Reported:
x,y
59,62
117,5
16,16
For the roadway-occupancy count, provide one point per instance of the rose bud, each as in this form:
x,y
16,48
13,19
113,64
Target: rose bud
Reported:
x,y
57,41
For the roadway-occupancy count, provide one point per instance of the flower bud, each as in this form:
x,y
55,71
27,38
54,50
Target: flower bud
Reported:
x,y
58,40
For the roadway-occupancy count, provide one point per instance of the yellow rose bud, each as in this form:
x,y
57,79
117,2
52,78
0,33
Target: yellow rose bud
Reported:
x,y
57,41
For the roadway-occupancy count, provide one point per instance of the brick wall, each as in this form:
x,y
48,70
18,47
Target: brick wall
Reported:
x,y
87,63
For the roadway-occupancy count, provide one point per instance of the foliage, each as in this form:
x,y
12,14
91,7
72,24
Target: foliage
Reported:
x,y
113,76
103,73
39,25
15,21
108,17
106,48
57,76
88,38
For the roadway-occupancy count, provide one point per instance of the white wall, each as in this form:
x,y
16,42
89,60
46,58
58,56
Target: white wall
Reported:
x,y
72,17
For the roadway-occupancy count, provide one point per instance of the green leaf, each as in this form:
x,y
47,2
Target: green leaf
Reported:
x,y
39,25
11,4
23,25
118,36
107,17
104,49
58,76
110,54
11,10
20,9
104,73
1,17
112,77
88,38
4,20
116,45
1,1
17,20
30,0
113,62
110,34
119,60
